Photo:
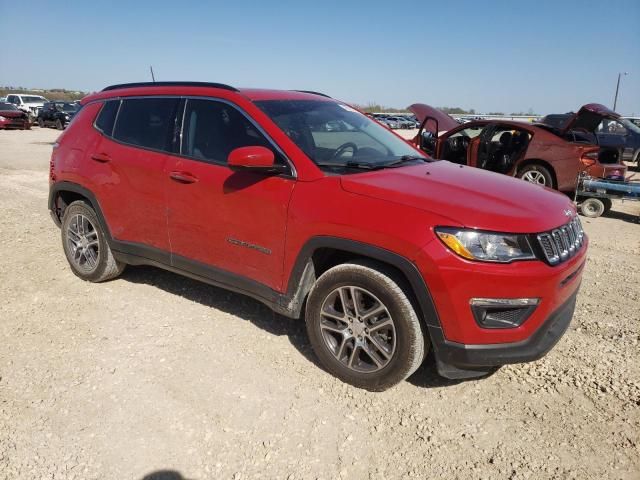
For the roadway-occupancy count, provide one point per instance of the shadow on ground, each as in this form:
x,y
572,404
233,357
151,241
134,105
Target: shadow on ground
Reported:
x,y
232,303
261,316
625,217
164,475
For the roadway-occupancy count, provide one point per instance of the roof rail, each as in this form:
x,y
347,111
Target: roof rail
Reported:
x,y
312,93
170,84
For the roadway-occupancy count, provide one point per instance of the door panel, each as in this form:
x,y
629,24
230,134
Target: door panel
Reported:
x,y
234,221
132,192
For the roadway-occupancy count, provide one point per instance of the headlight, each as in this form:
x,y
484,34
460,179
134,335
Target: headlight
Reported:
x,y
486,246
2,119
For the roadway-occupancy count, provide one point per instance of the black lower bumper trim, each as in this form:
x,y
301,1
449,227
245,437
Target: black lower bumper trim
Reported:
x,y
456,360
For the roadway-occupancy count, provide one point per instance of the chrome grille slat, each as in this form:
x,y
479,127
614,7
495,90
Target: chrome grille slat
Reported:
x,y
562,243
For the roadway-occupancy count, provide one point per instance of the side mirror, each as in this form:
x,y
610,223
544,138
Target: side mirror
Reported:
x,y
253,159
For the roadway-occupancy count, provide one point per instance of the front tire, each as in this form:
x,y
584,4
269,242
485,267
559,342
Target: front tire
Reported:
x,y
85,245
537,174
363,327
59,124
40,122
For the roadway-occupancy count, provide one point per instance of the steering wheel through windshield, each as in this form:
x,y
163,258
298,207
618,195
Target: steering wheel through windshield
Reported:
x,y
344,147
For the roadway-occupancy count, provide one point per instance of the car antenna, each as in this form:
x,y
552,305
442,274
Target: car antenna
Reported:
x,y
152,75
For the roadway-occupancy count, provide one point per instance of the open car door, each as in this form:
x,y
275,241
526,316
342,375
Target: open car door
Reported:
x,y
433,123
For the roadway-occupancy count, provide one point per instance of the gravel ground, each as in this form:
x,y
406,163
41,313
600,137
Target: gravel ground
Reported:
x,y
156,372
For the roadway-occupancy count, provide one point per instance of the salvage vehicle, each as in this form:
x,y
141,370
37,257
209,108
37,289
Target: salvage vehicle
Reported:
x,y
29,104
11,117
537,153
613,131
56,114
385,252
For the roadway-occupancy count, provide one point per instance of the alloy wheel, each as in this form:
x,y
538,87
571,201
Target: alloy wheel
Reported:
x,y
534,176
358,329
82,242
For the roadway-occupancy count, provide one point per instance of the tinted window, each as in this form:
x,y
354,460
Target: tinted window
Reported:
x,y
212,129
107,117
147,122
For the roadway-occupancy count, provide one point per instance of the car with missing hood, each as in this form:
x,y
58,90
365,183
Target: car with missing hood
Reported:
x,y
383,252
11,117
537,153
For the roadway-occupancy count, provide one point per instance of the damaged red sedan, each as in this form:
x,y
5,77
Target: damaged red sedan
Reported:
x,y
11,117
537,153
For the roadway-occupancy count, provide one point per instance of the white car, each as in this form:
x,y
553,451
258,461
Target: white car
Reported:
x,y
30,104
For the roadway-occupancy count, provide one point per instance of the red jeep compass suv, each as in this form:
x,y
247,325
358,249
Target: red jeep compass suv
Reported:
x,y
383,251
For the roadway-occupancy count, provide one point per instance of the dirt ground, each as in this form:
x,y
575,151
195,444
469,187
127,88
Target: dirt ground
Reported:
x,y
156,372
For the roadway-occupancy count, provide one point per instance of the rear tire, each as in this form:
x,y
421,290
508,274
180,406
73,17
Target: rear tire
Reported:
x,y
363,327
535,173
40,122
592,207
85,245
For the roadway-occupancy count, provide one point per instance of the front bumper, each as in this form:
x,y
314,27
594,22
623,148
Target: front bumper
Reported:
x,y
465,349
457,361
14,123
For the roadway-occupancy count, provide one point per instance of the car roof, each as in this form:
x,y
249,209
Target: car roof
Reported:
x,y
201,89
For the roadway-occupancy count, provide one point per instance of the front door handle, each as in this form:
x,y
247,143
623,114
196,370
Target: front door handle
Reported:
x,y
183,177
101,157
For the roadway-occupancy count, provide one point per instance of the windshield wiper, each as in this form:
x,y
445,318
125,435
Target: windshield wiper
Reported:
x,y
354,164
405,159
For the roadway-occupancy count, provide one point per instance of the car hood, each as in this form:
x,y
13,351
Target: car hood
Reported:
x,y
422,111
589,117
12,113
471,197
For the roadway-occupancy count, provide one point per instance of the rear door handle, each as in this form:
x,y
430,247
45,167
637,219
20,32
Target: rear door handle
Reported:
x,y
101,157
183,177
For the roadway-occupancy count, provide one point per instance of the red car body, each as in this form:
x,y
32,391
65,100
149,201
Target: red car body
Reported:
x,y
12,118
562,153
269,236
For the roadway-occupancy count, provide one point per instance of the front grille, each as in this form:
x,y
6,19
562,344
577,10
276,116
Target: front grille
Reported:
x,y
562,243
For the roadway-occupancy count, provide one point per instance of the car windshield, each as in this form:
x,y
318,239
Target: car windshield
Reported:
x,y
7,106
32,99
67,107
335,135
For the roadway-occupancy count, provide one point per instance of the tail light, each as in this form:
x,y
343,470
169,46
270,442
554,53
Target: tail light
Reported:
x,y
589,158
52,163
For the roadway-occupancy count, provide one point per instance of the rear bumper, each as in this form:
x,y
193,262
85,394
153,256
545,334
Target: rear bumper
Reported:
x,y
457,360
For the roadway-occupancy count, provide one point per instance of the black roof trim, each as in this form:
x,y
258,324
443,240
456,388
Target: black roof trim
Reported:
x,y
170,84
312,93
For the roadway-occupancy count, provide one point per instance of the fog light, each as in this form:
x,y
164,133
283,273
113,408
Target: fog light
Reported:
x,y
502,312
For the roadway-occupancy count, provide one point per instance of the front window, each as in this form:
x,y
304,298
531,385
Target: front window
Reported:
x,y
7,106
335,135
67,107
33,99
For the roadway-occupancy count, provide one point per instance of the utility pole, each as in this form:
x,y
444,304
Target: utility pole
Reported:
x,y
154,80
615,99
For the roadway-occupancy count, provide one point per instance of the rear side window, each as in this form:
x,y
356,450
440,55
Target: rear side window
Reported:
x,y
147,122
212,129
107,117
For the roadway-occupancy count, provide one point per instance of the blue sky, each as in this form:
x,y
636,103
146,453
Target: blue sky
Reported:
x,y
550,56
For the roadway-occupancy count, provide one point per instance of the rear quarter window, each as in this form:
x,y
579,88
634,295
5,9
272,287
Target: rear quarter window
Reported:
x,y
107,117
146,122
